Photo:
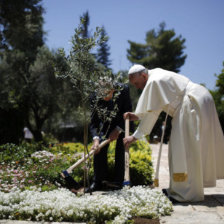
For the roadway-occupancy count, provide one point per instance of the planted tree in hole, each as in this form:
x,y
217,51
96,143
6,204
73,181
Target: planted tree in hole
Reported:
x,y
87,77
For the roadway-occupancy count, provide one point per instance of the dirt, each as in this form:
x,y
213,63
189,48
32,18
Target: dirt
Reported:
x,y
139,220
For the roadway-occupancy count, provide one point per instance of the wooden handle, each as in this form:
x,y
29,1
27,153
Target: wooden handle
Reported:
x,y
156,180
126,174
102,144
127,127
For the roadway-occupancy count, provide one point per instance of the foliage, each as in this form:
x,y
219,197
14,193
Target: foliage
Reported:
x,y
85,25
21,25
134,93
140,162
34,89
21,37
82,69
49,139
141,165
30,166
11,123
218,95
45,89
27,165
162,49
27,171
11,110
20,169
11,153
87,76
220,81
103,52
61,205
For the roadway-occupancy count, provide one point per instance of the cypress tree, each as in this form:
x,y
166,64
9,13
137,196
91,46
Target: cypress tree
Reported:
x,y
103,52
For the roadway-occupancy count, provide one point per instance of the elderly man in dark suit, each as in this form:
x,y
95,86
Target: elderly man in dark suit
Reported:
x,y
119,102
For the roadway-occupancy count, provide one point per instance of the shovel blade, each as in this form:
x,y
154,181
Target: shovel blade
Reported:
x,y
70,182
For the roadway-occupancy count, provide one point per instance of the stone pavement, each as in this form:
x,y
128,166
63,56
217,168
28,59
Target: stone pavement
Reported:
x,y
210,211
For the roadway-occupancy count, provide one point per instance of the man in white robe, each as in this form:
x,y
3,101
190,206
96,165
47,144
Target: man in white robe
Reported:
x,y
196,146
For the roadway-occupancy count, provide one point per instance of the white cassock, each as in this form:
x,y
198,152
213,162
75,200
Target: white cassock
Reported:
x,y
196,146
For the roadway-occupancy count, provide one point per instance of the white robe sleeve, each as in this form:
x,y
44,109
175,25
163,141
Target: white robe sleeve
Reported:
x,y
147,122
161,89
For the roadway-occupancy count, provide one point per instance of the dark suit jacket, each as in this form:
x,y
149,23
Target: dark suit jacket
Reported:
x,y
123,103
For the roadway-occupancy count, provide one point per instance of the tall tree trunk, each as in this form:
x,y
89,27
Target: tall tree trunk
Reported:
x,y
37,135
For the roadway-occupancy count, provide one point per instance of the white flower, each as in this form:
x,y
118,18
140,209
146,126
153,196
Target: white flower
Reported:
x,y
58,205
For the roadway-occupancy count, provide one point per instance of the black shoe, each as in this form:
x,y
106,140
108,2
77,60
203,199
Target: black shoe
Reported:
x,y
94,187
165,192
174,201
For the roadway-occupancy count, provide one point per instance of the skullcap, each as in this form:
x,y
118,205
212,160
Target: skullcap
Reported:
x,y
136,69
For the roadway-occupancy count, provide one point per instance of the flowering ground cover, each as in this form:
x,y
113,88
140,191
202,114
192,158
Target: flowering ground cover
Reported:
x,y
30,166
62,205
31,187
40,170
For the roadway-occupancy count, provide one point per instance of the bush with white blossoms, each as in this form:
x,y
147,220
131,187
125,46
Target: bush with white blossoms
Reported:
x,y
62,205
43,156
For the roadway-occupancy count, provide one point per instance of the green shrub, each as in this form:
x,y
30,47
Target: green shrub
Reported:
x,y
20,168
17,153
30,165
141,169
49,139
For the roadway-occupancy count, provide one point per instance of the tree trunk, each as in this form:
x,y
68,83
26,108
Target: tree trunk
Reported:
x,y
37,135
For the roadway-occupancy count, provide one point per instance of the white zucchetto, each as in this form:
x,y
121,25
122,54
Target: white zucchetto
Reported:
x,y
135,69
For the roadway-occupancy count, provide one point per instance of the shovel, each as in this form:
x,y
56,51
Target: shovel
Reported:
x,y
70,182
126,155
156,180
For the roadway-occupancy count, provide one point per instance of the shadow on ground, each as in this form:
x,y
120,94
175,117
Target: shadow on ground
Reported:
x,y
213,200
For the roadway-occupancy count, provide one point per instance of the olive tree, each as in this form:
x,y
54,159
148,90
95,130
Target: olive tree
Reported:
x,y
87,77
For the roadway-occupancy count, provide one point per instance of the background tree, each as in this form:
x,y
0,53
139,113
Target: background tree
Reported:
x,y
85,25
29,91
218,95
103,52
21,35
21,25
162,49
45,90
36,93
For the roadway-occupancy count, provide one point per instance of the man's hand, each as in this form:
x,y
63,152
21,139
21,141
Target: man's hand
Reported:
x,y
128,140
131,116
114,135
95,146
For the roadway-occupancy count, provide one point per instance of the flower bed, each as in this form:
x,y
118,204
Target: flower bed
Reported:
x,y
32,165
61,205
31,187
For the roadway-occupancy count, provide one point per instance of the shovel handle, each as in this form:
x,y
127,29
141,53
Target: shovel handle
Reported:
x,y
102,144
127,127
156,180
126,174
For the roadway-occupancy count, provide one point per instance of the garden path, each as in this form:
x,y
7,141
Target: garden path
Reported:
x,y
210,211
